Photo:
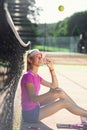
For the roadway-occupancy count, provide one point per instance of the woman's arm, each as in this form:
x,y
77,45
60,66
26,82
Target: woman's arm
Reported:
x,y
54,83
40,98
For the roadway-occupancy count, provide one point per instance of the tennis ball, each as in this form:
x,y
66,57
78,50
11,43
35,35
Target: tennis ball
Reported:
x,y
61,8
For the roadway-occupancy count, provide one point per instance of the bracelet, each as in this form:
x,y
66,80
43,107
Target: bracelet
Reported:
x,y
52,70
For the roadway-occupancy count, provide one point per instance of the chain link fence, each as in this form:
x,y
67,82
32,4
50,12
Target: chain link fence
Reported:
x,y
70,44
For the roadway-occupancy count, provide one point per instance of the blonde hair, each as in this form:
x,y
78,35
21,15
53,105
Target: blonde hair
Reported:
x,y
27,65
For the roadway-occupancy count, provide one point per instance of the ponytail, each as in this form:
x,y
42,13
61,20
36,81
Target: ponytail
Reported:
x,y
27,65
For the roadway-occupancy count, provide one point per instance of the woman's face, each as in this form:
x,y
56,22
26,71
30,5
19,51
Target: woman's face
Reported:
x,y
37,60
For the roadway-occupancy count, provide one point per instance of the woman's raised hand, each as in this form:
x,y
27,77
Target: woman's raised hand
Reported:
x,y
49,63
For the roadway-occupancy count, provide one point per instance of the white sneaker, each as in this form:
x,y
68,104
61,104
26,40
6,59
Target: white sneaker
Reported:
x,y
83,119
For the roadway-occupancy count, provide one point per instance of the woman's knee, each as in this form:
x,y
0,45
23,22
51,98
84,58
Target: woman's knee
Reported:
x,y
62,94
64,102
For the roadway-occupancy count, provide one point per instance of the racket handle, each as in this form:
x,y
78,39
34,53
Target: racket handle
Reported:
x,y
63,126
33,128
71,126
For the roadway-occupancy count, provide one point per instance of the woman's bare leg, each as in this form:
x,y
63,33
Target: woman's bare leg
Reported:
x,y
77,110
58,105
62,95
64,102
50,109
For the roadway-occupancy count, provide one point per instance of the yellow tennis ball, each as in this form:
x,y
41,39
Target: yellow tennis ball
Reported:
x,y
61,8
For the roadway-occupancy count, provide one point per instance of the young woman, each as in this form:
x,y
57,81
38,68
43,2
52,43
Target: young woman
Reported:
x,y
36,107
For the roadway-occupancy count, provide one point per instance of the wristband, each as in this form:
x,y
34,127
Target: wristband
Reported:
x,y
51,69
